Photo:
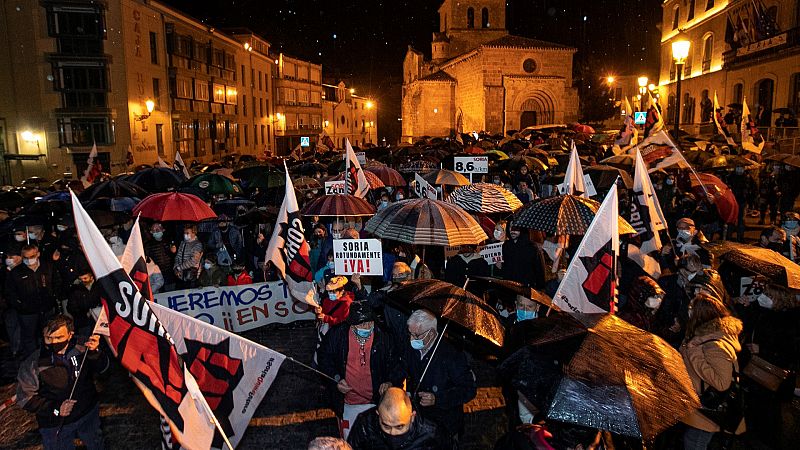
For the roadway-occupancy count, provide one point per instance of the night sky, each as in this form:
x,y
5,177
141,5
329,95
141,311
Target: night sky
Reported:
x,y
364,42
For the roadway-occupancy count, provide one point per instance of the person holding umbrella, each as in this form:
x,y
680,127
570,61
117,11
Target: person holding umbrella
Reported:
x,y
448,383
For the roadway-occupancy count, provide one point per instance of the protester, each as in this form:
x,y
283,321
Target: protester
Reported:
x,y
468,263
83,297
211,274
56,384
239,275
394,424
188,258
522,260
448,383
162,252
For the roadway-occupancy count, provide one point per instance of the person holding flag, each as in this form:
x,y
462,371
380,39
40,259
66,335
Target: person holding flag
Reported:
x,y
180,166
718,119
752,141
654,122
55,383
93,167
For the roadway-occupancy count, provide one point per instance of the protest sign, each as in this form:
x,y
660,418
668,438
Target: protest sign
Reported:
x,y
238,308
423,189
361,157
493,253
334,187
471,164
750,289
361,256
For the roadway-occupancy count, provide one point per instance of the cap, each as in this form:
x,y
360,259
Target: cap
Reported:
x,y
791,215
360,312
685,221
337,282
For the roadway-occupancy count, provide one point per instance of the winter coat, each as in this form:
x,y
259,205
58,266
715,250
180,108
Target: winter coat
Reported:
x,y
332,360
30,292
45,381
187,260
366,434
159,252
449,378
214,276
234,245
710,359
461,266
240,279
336,311
523,262
80,301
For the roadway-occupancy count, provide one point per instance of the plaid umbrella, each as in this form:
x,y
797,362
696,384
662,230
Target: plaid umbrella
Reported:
x,y
337,206
373,180
485,198
763,261
389,176
563,214
445,177
600,372
426,222
452,303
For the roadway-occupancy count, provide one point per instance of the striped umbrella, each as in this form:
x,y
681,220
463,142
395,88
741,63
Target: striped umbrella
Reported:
x,y
373,180
338,206
389,176
445,177
424,221
563,215
486,198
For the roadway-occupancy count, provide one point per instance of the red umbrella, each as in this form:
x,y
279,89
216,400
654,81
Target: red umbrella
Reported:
x,y
474,150
338,205
723,197
174,206
585,129
389,176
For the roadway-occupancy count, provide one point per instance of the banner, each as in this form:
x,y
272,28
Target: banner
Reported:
x,y
749,290
355,180
335,187
646,218
361,256
493,253
574,181
234,373
423,189
238,308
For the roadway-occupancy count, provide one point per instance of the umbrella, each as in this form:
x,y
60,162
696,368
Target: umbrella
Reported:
x,y
496,155
373,180
256,216
562,215
49,208
454,304
174,206
789,111
112,189
389,176
119,204
311,168
213,184
623,161
418,166
445,177
157,179
793,161
722,196
473,150
778,157
426,222
763,261
231,207
735,106
604,176
338,205
486,198
265,179
518,161
601,372
34,181
11,200
585,129
306,184
518,288
104,218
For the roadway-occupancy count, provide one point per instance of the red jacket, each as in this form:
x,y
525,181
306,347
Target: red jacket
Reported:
x,y
239,280
340,308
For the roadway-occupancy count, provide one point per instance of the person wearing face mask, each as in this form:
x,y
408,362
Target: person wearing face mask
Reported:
x,y
226,242
448,383
335,305
499,232
361,356
326,272
791,226
337,231
240,275
65,405
33,289
188,258
394,424
666,192
687,242
315,242
743,187
671,316
399,195
523,261
384,201
789,188
10,317
83,296
642,303
468,263
768,195
160,251
211,274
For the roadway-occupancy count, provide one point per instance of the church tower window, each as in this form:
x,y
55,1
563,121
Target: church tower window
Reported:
x,y
485,18
470,18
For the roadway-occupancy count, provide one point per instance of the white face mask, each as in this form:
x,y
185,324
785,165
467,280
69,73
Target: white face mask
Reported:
x,y
525,416
552,249
498,234
336,234
764,301
653,302
9,262
61,227
187,237
691,275
19,238
684,235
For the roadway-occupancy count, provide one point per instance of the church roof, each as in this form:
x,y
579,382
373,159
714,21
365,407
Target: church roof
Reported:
x,y
438,76
523,42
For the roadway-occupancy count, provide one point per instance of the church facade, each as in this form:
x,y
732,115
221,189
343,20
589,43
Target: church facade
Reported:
x,y
480,78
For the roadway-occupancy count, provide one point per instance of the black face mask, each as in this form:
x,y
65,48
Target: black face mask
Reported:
x,y
57,346
396,441
776,246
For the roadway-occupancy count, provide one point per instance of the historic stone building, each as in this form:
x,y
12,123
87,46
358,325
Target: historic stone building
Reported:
x,y
480,77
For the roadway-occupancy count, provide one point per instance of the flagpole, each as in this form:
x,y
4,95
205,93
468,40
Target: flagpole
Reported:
x,y
323,374
72,392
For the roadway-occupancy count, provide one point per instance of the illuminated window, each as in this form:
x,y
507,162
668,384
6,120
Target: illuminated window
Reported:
x,y
708,50
738,92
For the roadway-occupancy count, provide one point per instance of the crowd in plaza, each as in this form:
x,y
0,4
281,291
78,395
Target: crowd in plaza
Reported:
x,y
718,305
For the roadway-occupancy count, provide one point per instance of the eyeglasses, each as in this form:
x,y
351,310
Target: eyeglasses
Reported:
x,y
419,336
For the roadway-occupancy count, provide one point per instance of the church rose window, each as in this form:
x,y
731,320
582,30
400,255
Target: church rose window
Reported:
x,y
529,65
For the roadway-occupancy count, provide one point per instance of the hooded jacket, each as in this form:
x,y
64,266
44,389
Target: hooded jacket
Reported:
x,y
423,434
710,359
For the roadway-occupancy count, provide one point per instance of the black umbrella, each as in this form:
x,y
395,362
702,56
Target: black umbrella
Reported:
x,y
518,288
11,200
311,168
257,216
604,177
601,372
231,207
763,261
112,189
106,219
157,179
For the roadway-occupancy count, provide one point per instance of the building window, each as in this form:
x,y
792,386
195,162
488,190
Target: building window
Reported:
x,y
153,48
157,92
709,4
244,111
738,92
242,75
485,18
470,18
794,88
676,15
183,87
245,136
260,86
85,131
201,90
219,93
708,50
263,134
255,134
261,107
252,78
529,65
690,15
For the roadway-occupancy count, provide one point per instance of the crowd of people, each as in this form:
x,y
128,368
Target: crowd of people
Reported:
x,y
394,381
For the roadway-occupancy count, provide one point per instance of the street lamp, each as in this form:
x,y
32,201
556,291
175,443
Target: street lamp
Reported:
x,y
149,105
642,90
680,51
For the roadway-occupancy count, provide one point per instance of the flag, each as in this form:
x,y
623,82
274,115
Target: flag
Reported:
x,y
295,154
324,142
459,139
134,262
289,251
93,167
355,180
162,163
752,141
180,166
654,122
142,344
574,182
660,151
590,284
647,219
629,135
718,122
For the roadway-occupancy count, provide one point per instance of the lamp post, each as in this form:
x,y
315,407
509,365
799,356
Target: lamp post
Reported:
x,y
642,90
680,51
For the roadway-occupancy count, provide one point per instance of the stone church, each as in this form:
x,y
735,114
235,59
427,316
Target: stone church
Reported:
x,y
480,77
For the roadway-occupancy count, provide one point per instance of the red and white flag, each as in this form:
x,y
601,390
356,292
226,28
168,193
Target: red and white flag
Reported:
x,y
718,122
659,151
630,135
289,251
590,284
142,344
752,141
574,182
647,219
355,180
93,167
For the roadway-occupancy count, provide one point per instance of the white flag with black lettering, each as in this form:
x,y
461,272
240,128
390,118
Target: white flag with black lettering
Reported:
x,y
647,219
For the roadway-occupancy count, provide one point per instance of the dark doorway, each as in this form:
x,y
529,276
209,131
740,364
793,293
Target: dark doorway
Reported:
x,y
764,92
527,119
